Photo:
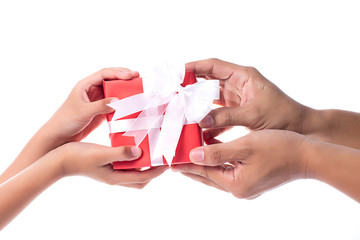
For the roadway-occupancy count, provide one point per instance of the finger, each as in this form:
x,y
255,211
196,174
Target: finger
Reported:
x,y
212,68
127,70
133,176
212,141
214,132
122,69
135,185
219,154
203,180
218,175
113,154
109,73
225,117
211,134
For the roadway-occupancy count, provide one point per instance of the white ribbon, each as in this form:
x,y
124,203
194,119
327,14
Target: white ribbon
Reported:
x,y
164,94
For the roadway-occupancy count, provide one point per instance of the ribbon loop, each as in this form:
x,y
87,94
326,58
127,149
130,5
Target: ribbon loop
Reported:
x,y
166,104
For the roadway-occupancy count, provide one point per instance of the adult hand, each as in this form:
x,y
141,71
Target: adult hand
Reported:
x,y
252,164
248,99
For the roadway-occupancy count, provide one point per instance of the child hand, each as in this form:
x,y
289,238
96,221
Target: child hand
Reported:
x,y
84,109
81,113
94,161
70,159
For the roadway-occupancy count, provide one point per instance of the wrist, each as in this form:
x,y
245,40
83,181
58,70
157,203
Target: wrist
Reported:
x,y
69,166
56,158
297,117
313,121
50,132
58,162
63,157
307,159
315,158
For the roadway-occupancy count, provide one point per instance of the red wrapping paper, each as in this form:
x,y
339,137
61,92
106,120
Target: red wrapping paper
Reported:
x,y
191,135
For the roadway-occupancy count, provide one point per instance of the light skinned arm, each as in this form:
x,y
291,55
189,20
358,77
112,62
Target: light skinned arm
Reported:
x,y
82,112
68,160
265,159
250,100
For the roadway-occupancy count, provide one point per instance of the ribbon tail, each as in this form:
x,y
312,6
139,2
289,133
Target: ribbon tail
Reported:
x,y
126,106
153,136
171,128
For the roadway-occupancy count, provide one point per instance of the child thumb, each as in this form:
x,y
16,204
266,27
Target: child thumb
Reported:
x,y
101,107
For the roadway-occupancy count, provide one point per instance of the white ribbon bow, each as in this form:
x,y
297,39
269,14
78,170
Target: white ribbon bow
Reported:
x,y
164,94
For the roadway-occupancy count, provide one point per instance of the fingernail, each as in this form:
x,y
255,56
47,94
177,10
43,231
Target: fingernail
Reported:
x,y
208,121
197,155
136,151
114,100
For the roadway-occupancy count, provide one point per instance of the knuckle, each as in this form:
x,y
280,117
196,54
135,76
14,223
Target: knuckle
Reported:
x,y
213,60
228,117
223,117
101,72
111,181
140,186
238,195
104,71
241,194
202,172
252,70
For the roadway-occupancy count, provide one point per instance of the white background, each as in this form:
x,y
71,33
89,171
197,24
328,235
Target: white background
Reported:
x,y
310,49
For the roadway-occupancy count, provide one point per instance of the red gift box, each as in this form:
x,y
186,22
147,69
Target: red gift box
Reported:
x,y
191,135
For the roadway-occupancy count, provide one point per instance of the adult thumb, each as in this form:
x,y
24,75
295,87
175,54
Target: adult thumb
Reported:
x,y
225,117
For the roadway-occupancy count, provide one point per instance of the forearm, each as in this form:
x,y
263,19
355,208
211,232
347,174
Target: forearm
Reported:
x,y
17,192
40,144
336,165
333,126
